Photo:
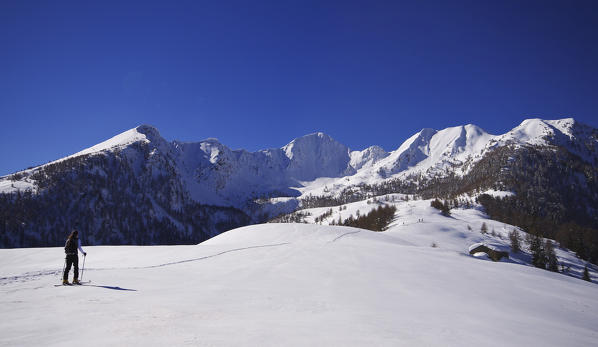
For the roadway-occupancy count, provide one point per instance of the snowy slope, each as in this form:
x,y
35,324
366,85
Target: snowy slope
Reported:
x,y
292,285
417,223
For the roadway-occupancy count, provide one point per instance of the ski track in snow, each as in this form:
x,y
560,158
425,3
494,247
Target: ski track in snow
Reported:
x,y
345,234
200,258
30,276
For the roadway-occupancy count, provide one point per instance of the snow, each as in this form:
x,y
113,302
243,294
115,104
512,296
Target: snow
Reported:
x,y
292,285
118,141
497,193
564,125
530,131
367,157
436,152
417,223
316,155
9,186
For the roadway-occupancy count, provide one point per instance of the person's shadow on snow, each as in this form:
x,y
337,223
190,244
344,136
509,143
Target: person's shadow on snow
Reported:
x,y
111,287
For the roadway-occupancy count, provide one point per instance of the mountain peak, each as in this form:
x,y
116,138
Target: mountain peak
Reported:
x,y
317,136
312,141
316,155
534,131
368,156
562,123
142,133
149,131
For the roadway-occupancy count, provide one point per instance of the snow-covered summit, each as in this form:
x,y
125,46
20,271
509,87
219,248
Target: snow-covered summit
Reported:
x,y
436,150
437,153
367,157
316,155
142,133
537,131
432,149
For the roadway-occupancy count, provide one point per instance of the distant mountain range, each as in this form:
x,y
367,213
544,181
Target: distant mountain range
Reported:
x,y
138,188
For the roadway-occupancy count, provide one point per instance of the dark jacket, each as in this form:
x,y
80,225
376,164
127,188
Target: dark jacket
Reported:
x,y
71,246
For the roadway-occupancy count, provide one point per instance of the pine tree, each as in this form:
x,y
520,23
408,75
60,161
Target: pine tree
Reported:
x,y
538,254
586,274
443,207
551,259
446,210
484,228
515,241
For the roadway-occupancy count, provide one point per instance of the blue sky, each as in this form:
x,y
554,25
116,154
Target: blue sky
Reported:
x,y
258,74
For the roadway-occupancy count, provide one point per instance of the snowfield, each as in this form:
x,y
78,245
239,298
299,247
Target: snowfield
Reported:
x,y
297,285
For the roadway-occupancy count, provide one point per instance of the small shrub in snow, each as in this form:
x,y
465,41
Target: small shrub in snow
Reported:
x,y
484,228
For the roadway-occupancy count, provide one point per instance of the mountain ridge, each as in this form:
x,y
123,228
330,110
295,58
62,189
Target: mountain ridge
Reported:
x,y
530,131
143,172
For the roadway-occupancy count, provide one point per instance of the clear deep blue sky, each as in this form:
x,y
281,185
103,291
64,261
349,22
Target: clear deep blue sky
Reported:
x,y
258,74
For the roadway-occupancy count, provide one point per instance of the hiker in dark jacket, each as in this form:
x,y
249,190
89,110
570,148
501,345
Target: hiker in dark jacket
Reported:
x,y
71,248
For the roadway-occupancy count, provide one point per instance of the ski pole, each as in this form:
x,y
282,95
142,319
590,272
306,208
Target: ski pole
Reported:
x,y
83,268
63,267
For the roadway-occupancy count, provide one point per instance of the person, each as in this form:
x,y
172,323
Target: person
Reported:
x,y
72,248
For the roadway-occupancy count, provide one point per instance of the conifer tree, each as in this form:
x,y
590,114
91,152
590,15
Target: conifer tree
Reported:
x,y
446,210
551,259
538,254
443,207
515,241
586,274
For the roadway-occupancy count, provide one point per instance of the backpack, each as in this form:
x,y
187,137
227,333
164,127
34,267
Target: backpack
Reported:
x,y
71,246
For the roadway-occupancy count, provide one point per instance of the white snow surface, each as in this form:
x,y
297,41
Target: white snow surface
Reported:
x,y
298,285
118,141
7,185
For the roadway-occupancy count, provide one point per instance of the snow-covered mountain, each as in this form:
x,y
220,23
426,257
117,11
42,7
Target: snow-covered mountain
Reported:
x,y
140,168
437,153
215,174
